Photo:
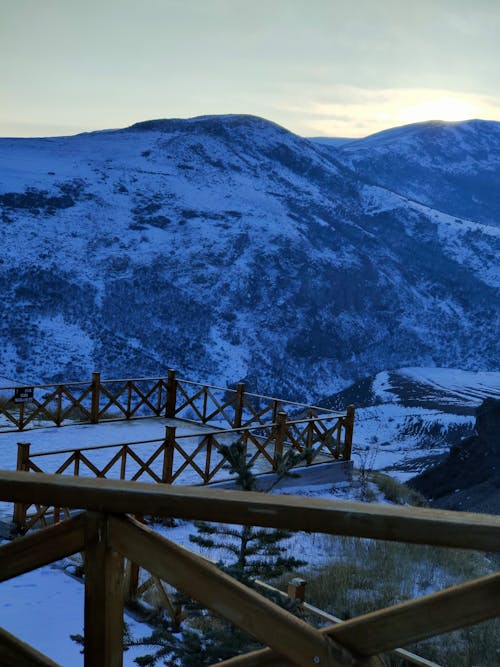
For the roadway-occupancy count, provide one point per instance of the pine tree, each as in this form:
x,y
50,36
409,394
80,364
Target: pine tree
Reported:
x,y
253,552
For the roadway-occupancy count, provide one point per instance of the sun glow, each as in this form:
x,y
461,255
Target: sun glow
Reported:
x,y
441,108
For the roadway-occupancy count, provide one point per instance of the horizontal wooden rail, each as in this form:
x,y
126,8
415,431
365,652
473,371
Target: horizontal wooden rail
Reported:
x,y
79,383
90,448
386,522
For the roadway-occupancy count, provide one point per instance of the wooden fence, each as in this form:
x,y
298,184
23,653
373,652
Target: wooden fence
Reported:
x,y
104,400
106,534
188,457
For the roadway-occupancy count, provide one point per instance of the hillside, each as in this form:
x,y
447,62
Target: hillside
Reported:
x,y
469,478
408,418
231,249
453,167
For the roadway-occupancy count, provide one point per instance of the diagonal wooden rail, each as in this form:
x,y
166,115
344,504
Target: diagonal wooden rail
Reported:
x,y
107,536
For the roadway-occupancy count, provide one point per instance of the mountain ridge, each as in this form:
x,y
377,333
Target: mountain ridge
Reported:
x,y
231,249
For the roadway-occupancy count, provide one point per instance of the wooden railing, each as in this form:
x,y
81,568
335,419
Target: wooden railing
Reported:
x,y
106,534
187,457
102,400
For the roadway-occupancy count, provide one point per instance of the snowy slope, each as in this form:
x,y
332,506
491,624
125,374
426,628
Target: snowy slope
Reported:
x,y
232,250
407,418
454,167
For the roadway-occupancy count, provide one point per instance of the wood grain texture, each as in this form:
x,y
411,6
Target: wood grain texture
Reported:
x,y
15,653
404,524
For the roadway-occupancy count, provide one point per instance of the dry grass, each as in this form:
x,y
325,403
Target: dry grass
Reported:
x,y
365,575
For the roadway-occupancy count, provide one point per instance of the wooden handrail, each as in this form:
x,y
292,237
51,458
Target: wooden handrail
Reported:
x,y
386,522
107,538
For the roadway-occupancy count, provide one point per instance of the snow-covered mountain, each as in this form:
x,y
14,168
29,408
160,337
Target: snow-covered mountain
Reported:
x,y
454,167
231,249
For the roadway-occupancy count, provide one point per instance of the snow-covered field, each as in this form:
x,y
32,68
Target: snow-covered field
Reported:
x,y
409,416
389,438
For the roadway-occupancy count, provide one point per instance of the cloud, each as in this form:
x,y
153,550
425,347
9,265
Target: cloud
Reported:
x,y
350,111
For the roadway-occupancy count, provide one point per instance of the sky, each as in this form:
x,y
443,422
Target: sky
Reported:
x,y
343,68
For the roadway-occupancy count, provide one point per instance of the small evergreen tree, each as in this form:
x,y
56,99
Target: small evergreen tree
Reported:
x,y
253,552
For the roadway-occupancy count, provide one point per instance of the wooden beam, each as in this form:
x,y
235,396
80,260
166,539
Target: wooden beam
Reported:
x,y
267,658
382,631
325,616
16,653
42,547
386,522
203,581
428,616
103,617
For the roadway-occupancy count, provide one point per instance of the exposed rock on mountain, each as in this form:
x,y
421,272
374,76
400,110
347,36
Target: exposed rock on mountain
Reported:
x,y
469,478
231,249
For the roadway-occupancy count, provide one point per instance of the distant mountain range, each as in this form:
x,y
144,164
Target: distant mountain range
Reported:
x,y
232,249
452,167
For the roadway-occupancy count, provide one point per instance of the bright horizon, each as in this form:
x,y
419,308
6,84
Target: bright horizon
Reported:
x,y
322,68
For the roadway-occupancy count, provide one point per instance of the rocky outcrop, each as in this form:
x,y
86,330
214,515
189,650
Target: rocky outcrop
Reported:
x,y
469,478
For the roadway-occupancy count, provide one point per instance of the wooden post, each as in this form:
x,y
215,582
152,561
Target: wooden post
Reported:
x,y
168,455
309,443
280,436
208,458
20,509
129,400
132,573
94,409
58,418
297,589
349,427
171,394
238,405
21,417
103,646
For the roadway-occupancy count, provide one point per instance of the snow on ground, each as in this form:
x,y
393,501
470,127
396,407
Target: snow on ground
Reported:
x,y
388,437
45,607
461,387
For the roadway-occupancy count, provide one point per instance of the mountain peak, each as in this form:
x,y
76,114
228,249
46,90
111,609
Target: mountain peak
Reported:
x,y
212,124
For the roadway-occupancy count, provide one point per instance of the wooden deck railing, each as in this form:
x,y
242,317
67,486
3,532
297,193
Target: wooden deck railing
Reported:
x,y
188,457
102,400
107,535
